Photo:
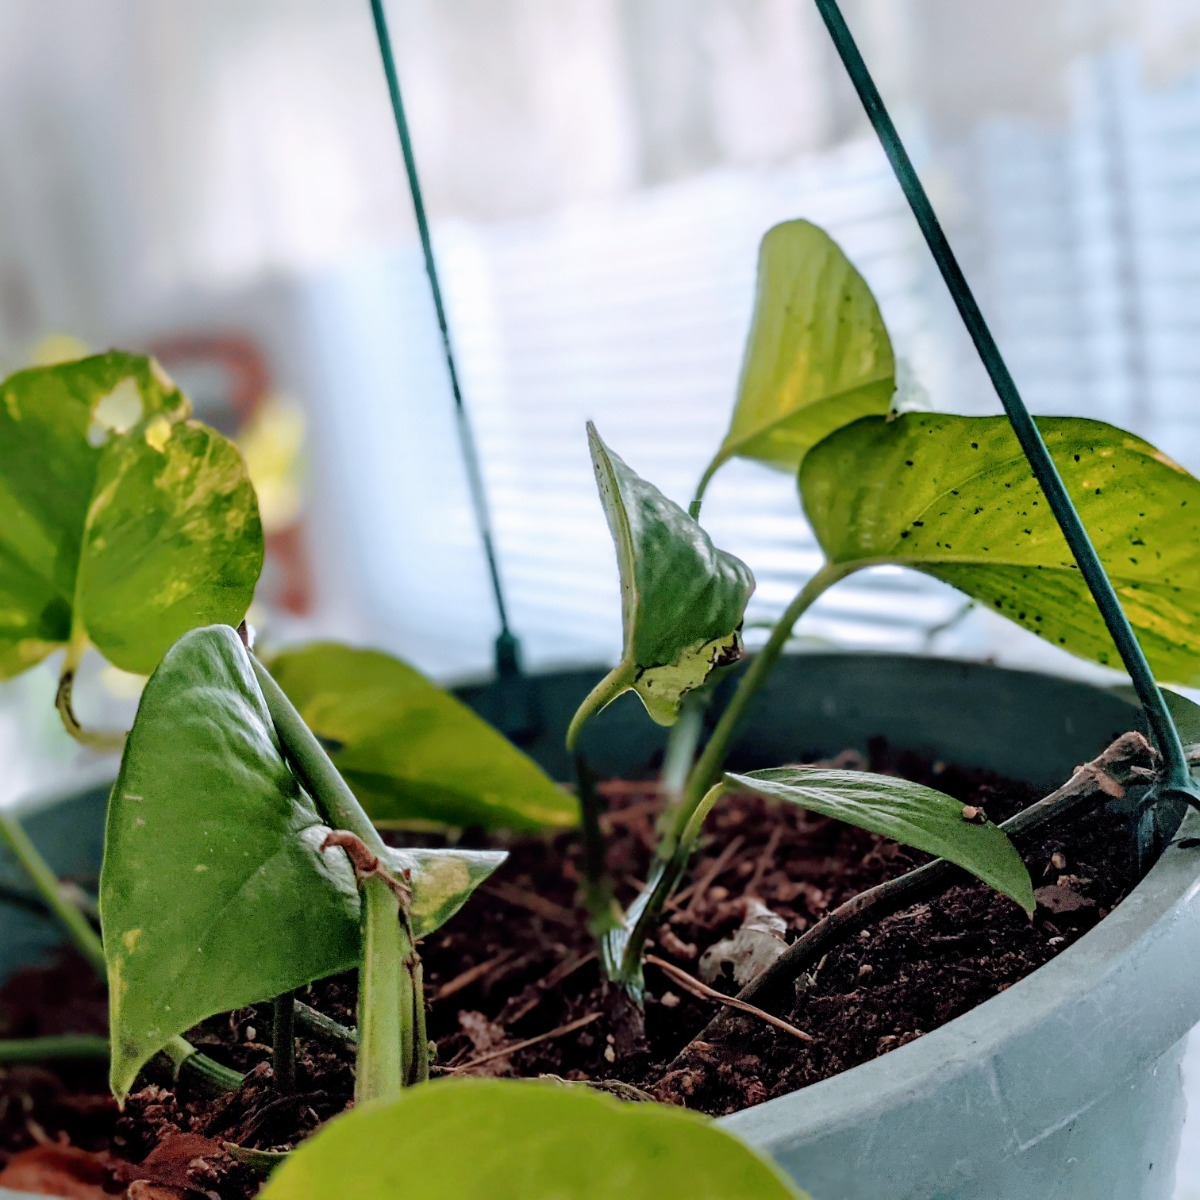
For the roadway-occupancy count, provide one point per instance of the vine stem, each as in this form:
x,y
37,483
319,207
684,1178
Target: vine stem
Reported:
x,y
106,741
1166,735
86,940
389,986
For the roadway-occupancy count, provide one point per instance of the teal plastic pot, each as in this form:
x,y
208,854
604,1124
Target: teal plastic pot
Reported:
x,y
1065,1087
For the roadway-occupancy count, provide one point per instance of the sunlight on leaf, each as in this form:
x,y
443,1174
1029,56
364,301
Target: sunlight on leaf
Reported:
x,y
818,355
954,497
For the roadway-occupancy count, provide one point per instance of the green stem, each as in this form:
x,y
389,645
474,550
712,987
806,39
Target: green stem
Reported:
x,y
625,947
420,1067
102,740
708,765
283,1042
384,997
597,884
66,1048
208,1076
318,1023
1166,735
705,479
618,680
385,986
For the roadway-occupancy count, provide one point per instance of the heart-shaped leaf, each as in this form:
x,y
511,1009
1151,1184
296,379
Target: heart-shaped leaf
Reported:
x,y
120,520
907,812
818,356
215,891
412,752
508,1140
682,600
954,497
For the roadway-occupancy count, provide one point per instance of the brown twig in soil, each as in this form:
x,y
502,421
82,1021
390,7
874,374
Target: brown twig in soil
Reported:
x,y
535,995
516,1047
703,992
471,974
1122,762
688,898
532,902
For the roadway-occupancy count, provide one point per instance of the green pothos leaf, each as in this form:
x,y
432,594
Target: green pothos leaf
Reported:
x,y
217,890
412,753
121,521
954,497
907,812
818,356
521,1140
682,600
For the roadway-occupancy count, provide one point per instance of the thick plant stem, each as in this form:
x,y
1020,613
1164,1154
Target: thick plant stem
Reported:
x,y
1166,735
420,1058
201,1071
283,1042
708,765
384,997
385,989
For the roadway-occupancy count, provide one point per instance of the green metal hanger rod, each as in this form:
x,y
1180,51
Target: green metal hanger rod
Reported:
x,y
1162,726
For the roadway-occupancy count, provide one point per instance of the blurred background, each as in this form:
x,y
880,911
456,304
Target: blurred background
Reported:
x,y
220,184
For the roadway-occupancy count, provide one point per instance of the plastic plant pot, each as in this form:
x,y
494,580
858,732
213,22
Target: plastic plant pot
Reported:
x,y
1066,1085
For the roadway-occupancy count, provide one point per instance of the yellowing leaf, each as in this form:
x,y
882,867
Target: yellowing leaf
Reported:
x,y
120,520
954,497
506,1140
818,356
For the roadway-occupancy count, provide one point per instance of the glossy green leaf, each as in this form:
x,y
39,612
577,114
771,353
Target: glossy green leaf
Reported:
x,y
215,891
907,812
120,520
412,752
682,600
955,498
476,1139
818,356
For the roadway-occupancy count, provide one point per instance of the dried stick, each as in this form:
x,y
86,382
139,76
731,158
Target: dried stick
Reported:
x,y
704,992
505,1051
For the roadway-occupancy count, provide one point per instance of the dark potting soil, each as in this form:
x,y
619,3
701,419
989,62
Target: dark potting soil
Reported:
x,y
514,987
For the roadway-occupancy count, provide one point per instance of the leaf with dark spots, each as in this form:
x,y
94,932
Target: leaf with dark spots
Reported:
x,y
864,504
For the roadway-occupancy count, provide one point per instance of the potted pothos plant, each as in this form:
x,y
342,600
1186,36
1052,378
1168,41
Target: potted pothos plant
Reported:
x,y
246,869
